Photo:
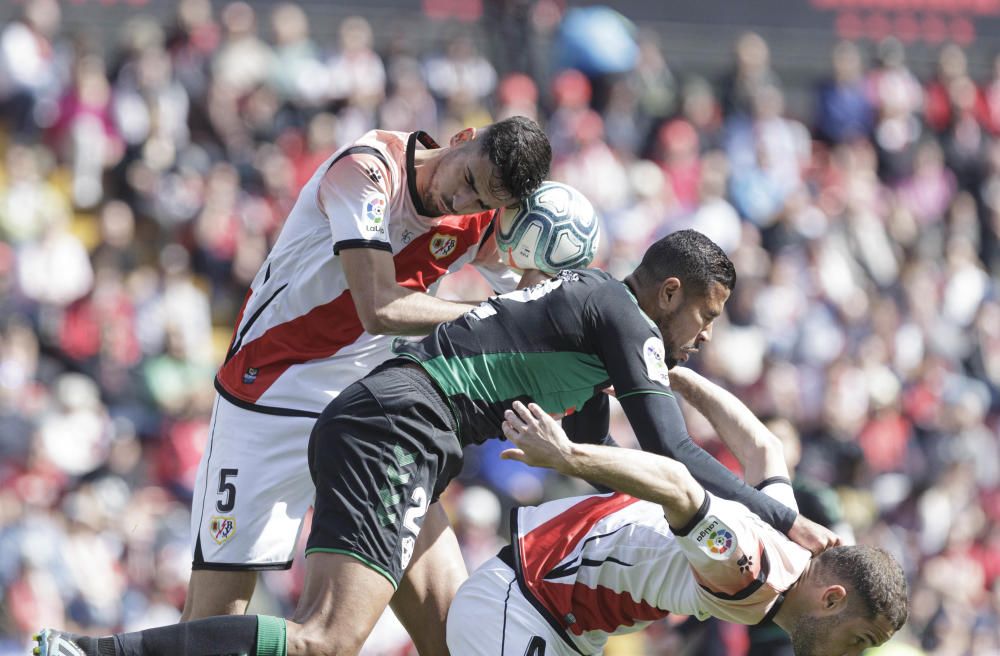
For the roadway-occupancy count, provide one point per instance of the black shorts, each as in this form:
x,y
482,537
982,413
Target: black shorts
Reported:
x,y
380,454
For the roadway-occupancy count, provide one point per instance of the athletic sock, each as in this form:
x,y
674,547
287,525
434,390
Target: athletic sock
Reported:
x,y
92,646
214,636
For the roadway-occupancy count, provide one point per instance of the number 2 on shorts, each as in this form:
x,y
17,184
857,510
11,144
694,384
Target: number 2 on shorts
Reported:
x,y
228,489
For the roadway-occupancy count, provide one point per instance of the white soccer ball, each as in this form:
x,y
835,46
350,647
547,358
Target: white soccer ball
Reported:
x,y
554,228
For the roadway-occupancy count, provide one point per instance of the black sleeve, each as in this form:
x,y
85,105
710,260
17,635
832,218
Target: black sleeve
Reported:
x,y
630,346
659,427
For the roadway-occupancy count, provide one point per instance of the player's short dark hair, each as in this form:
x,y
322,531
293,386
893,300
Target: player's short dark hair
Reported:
x,y
520,151
689,256
873,578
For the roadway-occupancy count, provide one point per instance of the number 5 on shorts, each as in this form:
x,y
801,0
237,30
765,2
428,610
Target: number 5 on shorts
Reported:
x,y
228,489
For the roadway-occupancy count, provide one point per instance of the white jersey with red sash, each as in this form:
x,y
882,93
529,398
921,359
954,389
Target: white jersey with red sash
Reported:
x,y
298,340
601,565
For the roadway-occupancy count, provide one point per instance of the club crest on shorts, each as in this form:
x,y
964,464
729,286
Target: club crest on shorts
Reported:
x,y
715,539
222,528
406,551
250,375
443,245
656,362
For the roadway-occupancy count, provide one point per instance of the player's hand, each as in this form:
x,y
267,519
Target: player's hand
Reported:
x,y
532,277
540,440
810,535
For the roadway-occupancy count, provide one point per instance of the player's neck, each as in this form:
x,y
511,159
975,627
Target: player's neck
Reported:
x,y
795,602
424,164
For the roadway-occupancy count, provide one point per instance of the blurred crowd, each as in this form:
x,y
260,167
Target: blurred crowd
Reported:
x,y
142,183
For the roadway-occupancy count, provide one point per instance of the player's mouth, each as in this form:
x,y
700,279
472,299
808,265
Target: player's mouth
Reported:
x,y
444,208
686,353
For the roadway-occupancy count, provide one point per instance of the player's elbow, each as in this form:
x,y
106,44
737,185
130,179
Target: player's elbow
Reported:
x,y
375,310
764,458
372,316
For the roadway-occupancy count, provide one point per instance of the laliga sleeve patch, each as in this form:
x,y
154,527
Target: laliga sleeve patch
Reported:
x,y
656,362
714,538
373,212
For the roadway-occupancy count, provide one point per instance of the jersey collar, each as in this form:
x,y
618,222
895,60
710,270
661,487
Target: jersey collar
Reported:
x,y
635,299
411,174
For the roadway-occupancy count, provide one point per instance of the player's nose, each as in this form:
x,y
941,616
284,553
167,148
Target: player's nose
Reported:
x,y
705,335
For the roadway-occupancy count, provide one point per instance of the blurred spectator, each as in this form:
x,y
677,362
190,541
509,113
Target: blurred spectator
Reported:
x,y
844,111
751,71
84,133
30,74
357,79
296,67
898,98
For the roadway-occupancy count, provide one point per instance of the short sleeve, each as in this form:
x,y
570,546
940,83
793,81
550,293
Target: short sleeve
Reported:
x,y
354,195
724,545
780,489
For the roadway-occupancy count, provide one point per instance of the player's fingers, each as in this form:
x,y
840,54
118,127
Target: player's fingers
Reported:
x,y
522,411
537,413
514,420
512,454
509,431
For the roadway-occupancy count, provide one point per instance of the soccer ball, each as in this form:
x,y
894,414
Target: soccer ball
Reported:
x,y
554,228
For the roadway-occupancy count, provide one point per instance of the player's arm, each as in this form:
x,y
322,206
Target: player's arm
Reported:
x,y
542,443
354,196
490,264
758,450
385,307
633,354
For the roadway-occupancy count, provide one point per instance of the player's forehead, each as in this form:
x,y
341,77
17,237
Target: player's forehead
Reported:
x,y
487,177
713,298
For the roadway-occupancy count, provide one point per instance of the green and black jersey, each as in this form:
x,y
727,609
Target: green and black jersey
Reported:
x,y
559,344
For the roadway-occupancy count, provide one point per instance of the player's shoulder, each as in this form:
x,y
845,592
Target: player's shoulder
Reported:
x,y
611,300
379,154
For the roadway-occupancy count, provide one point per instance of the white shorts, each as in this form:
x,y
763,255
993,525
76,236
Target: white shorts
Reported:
x,y
490,617
253,490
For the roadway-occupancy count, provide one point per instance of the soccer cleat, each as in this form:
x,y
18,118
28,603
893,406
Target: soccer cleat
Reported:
x,y
56,643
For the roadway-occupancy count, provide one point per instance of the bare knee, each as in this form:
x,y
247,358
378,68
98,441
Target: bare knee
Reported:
x,y
212,593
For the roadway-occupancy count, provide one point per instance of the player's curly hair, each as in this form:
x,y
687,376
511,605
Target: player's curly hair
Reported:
x,y
873,577
689,256
520,151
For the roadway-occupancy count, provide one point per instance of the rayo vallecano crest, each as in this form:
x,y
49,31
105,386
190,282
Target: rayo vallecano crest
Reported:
x,y
443,245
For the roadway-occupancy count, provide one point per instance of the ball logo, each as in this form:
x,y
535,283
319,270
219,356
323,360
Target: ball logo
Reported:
x,y
375,210
656,362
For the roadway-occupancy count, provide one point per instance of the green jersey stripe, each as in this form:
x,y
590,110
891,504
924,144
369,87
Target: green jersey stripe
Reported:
x,y
557,381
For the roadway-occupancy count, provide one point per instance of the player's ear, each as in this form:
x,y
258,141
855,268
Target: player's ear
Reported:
x,y
834,598
468,134
670,291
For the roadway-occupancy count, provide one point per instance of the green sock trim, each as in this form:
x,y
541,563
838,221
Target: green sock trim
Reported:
x,y
378,568
271,636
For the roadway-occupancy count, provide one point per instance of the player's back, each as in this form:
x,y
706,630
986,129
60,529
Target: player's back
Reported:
x,y
608,564
540,344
